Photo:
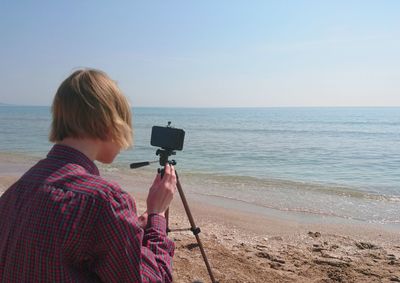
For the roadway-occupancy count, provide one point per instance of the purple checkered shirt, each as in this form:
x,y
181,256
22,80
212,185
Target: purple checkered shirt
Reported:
x,y
62,222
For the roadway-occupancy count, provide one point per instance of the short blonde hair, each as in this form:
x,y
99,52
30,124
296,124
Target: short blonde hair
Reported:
x,y
88,104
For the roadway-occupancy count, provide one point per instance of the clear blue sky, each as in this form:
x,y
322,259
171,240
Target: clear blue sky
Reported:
x,y
206,53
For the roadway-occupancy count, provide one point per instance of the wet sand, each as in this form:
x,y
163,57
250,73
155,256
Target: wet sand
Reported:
x,y
243,245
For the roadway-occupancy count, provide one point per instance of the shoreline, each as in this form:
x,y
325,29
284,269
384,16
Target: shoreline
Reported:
x,y
287,199
244,245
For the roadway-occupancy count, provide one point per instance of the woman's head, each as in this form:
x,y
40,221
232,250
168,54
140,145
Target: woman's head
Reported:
x,y
88,104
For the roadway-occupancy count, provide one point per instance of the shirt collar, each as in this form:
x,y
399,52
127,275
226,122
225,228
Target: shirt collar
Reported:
x,y
74,156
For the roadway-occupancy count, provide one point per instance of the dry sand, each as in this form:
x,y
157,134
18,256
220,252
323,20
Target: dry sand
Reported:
x,y
249,247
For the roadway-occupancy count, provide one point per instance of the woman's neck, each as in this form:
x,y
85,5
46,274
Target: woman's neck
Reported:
x,y
89,147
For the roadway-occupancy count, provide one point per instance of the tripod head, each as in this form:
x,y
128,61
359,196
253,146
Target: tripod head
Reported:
x,y
164,155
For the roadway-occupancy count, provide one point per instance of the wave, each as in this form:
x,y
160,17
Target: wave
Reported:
x,y
305,211
263,185
296,210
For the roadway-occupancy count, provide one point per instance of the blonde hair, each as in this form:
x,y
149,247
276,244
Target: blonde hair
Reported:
x,y
88,104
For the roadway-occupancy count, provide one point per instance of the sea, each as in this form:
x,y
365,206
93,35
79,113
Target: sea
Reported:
x,y
342,163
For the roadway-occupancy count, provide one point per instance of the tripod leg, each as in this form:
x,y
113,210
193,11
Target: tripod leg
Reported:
x,y
167,220
194,229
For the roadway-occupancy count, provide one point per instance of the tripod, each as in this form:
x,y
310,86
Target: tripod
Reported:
x,y
164,155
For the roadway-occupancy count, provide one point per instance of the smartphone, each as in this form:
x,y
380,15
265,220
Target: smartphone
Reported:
x,y
167,137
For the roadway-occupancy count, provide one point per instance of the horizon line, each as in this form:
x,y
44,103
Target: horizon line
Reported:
x,y
233,107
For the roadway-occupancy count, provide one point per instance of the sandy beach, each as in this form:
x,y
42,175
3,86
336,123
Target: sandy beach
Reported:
x,y
245,246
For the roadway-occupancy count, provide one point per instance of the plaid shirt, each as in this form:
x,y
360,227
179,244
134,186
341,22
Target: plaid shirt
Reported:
x,y
62,222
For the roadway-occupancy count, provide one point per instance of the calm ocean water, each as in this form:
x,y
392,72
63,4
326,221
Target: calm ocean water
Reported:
x,y
342,162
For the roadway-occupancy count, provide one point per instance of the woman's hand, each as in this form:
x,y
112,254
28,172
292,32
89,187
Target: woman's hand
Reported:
x,y
162,191
143,220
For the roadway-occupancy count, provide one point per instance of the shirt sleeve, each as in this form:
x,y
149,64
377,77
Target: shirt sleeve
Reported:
x,y
123,252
